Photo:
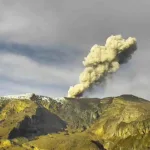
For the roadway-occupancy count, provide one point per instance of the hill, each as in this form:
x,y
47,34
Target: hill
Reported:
x,y
113,123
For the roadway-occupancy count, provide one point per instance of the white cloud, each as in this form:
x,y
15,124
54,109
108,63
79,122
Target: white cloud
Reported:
x,y
11,88
21,68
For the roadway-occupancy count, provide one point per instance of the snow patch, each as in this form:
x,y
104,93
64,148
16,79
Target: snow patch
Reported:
x,y
29,96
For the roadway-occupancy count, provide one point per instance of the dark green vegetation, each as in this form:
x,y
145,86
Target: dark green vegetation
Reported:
x,y
114,123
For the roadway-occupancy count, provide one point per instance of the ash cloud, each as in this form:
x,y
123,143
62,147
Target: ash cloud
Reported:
x,y
103,60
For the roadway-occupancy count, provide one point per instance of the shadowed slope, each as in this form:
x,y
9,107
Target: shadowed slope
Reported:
x,y
114,123
42,123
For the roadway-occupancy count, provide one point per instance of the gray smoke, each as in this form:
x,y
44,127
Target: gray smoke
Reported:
x,y
103,60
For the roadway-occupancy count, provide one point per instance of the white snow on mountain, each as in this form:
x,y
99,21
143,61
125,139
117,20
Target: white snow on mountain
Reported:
x,y
20,96
29,96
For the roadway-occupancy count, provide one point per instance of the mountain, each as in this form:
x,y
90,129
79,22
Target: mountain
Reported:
x,y
37,122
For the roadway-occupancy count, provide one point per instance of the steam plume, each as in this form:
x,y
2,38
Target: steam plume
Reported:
x,y
102,60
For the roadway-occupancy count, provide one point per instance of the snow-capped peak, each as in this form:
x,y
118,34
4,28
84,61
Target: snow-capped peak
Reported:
x,y
19,96
29,96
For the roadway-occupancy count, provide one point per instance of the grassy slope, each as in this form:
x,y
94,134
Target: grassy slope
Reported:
x,y
123,124
14,112
118,123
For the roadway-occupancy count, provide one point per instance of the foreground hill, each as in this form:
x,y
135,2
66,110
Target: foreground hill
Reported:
x,y
113,123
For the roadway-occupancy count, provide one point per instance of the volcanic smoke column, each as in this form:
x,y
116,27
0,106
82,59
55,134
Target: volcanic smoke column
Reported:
x,y
102,60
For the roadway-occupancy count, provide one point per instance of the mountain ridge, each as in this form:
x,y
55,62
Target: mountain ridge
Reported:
x,y
109,123
42,97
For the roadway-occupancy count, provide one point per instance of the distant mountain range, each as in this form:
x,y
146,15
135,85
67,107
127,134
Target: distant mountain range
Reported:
x,y
31,121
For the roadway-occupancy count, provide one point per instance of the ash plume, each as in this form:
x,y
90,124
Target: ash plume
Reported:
x,y
101,61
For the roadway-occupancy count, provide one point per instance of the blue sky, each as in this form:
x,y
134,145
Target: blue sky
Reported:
x,y
43,44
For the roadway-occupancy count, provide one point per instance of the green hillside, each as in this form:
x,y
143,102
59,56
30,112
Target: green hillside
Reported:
x,y
113,123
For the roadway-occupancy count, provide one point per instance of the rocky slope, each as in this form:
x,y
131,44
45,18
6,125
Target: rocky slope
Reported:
x,y
37,122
